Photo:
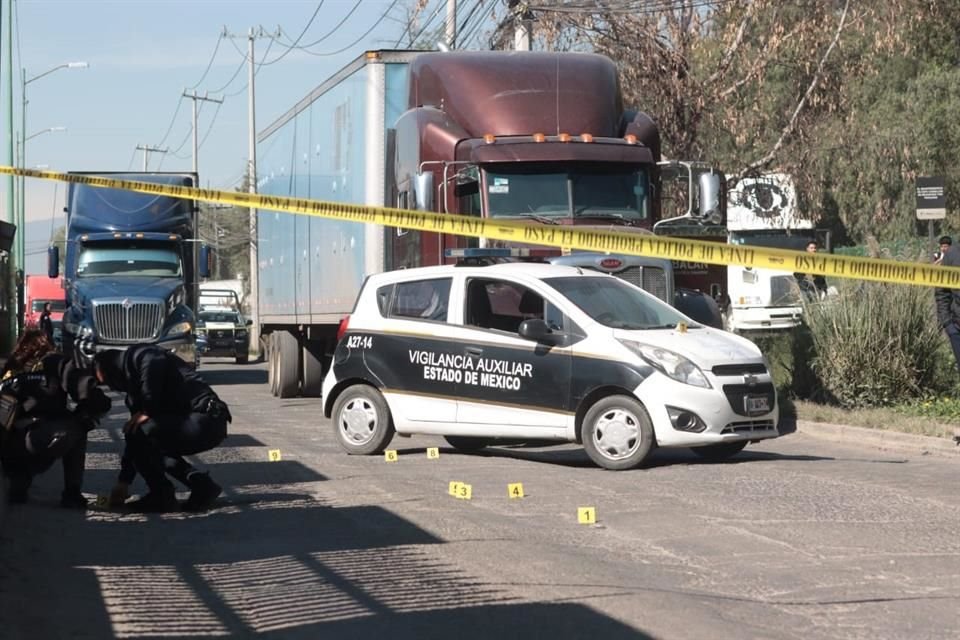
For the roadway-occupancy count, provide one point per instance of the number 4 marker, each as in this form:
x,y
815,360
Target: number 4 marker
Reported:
x,y
515,490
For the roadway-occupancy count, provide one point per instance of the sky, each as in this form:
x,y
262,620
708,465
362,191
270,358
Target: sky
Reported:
x,y
142,55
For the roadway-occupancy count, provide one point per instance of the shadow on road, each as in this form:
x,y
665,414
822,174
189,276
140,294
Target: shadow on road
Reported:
x,y
283,566
234,375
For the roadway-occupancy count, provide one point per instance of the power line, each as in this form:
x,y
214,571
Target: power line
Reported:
x,y
209,64
266,52
376,24
425,26
291,47
335,28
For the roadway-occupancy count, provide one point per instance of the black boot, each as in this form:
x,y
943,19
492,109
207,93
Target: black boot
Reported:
x,y
203,492
162,500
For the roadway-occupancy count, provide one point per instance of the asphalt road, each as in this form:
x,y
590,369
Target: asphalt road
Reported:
x,y
795,538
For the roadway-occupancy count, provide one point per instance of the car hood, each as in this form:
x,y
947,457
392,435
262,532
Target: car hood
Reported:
x,y
131,287
704,346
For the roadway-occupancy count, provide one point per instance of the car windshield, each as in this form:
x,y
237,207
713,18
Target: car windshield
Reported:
x,y
55,305
154,259
220,316
616,192
614,303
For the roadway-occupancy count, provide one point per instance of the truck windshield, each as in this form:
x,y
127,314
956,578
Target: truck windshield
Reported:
x,y
796,240
552,190
129,260
614,303
55,305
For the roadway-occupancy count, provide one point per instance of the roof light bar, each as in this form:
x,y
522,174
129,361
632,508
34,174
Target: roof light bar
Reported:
x,y
504,252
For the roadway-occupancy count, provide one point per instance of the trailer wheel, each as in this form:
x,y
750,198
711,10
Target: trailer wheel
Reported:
x,y
362,423
312,385
617,433
288,365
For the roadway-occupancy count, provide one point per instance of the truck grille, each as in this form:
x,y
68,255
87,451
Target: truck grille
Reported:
x,y
650,279
128,321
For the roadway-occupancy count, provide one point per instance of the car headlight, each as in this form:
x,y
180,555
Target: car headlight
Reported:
x,y
673,365
180,327
241,332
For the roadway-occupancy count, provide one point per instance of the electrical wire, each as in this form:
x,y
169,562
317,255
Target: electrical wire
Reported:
x,y
209,64
335,28
376,24
256,70
426,25
293,46
133,156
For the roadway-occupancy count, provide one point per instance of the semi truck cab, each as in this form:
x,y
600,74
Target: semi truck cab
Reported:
x,y
130,268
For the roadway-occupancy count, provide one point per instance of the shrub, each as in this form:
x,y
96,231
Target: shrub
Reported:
x,y
873,344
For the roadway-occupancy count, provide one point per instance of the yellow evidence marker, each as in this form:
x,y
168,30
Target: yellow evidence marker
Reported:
x,y
390,455
515,490
274,455
586,515
454,488
433,453
465,491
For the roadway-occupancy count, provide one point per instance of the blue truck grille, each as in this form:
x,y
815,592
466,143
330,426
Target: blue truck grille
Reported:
x,y
128,321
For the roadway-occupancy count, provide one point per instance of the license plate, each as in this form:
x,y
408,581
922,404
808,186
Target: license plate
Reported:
x,y
756,404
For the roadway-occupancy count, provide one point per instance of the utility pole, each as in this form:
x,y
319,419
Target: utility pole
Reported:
x,y
196,145
452,24
196,172
147,149
14,264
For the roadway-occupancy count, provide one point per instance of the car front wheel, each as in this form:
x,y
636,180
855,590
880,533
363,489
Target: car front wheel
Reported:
x,y
617,433
361,420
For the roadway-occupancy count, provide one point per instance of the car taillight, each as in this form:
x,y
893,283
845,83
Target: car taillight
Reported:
x,y
344,325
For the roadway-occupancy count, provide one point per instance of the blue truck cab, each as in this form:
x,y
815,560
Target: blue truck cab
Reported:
x,y
130,267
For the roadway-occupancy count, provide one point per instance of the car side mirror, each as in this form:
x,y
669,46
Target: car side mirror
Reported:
x,y
249,323
537,330
203,265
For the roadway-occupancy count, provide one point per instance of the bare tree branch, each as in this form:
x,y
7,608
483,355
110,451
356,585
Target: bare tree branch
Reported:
x,y
732,49
790,126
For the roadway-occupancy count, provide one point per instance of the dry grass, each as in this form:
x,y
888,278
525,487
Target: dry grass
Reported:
x,y
875,418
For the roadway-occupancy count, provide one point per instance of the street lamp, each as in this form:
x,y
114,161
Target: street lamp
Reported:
x,y
43,131
21,208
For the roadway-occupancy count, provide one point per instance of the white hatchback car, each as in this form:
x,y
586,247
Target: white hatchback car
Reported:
x,y
541,352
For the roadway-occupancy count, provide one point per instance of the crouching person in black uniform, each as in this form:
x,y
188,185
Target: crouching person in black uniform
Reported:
x,y
37,425
173,413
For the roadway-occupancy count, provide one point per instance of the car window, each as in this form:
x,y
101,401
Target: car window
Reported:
x,y
422,299
503,305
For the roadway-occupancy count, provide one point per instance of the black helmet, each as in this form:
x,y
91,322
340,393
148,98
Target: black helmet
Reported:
x,y
109,364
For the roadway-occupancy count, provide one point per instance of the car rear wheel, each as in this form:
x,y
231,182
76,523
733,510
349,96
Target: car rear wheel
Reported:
x,y
718,452
617,433
466,444
362,422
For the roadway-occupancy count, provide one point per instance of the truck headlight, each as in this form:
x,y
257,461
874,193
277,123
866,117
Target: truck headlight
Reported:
x,y
242,333
179,328
673,365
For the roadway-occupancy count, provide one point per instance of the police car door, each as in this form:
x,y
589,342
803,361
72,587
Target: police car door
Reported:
x,y
414,352
511,381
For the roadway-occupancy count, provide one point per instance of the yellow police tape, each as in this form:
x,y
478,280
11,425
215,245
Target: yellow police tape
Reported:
x,y
565,237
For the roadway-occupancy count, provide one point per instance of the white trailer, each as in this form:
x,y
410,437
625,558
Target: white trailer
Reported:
x,y
763,212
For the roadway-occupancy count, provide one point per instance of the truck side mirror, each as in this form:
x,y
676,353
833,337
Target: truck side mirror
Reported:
x,y
710,198
204,266
424,191
53,261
